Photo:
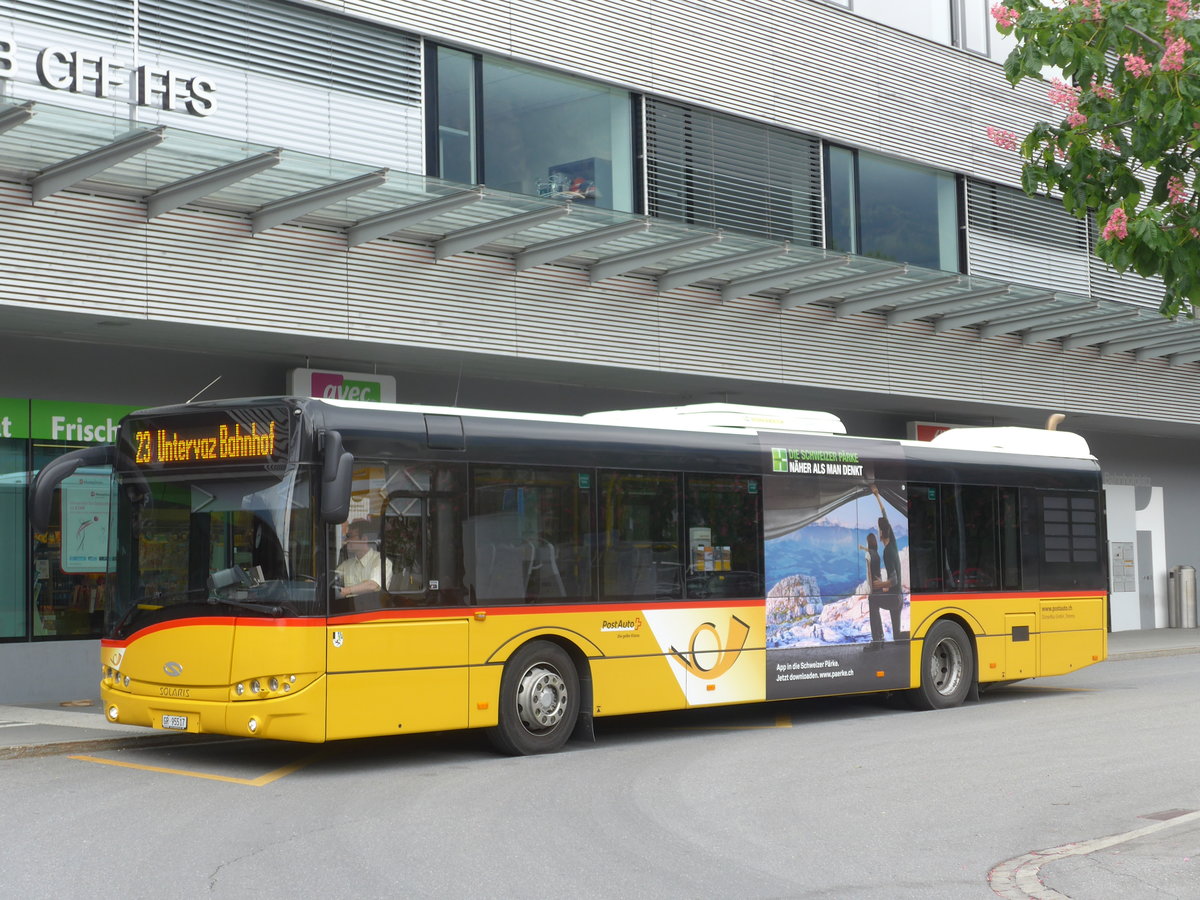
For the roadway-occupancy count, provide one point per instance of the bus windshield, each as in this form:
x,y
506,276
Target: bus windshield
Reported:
x,y
202,543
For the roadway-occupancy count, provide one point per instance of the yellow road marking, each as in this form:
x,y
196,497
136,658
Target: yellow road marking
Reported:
x,y
249,782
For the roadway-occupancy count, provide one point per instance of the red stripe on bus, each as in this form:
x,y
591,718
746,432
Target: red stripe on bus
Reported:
x,y
225,621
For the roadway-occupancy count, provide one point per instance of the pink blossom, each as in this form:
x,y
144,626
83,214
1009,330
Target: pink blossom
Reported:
x,y
1172,60
1075,119
1176,191
1093,5
1136,65
1064,95
1005,140
1103,91
1005,17
1177,9
1117,227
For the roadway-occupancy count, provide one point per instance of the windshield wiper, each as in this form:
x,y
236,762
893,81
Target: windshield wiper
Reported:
x,y
267,606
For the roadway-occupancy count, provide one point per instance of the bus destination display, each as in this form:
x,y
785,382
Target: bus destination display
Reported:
x,y
202,440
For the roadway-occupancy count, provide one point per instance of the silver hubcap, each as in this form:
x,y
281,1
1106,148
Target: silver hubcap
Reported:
x,y
946,666
541,697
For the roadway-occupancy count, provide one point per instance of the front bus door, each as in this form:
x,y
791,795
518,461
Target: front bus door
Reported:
x,y
397,659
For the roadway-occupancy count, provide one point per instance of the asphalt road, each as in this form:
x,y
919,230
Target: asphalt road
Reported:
x,y
843,798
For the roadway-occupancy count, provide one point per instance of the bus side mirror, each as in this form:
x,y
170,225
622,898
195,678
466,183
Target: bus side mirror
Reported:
x,y
337,474
55,472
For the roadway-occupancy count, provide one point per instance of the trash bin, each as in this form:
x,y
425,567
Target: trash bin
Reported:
x,y
1181,597
1187,597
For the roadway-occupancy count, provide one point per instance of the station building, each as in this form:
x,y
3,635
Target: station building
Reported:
x,y
551,207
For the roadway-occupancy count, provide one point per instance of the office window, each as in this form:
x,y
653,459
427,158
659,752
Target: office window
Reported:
x,y
526,130
719,171
928,18
455,130
888,209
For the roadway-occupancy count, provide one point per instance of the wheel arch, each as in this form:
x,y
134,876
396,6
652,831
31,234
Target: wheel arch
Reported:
x,y
574,645
970,627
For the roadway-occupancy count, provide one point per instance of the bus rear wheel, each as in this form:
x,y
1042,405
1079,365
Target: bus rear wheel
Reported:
x,y
947,668
539,701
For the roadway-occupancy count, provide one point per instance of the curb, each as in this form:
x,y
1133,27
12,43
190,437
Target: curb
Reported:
x,y
57,748
1147,654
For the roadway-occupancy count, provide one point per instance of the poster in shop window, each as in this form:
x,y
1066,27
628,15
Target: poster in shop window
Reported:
x,y
85,504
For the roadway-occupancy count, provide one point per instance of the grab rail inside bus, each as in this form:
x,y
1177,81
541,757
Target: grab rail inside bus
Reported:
x,y
336,477
41,492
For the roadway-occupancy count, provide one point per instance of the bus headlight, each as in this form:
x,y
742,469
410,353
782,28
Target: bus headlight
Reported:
x,y
113,713
252,725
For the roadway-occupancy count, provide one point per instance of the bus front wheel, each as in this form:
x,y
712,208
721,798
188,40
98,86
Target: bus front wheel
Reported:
x,y
539,700
947,667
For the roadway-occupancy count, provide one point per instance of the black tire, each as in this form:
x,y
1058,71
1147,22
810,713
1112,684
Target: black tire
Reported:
x,y
539,701
947,667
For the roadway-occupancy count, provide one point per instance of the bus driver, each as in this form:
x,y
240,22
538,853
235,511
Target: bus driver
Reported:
x,y
361,572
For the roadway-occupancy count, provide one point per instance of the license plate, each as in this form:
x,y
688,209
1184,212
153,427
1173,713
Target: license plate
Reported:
x,y
179,723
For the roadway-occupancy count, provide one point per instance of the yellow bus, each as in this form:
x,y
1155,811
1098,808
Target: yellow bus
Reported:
x,y
309,569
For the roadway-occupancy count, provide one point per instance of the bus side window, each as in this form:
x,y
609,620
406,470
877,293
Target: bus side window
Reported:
x,y
1062,549
724,520
640,546
528,538
923,540
969,545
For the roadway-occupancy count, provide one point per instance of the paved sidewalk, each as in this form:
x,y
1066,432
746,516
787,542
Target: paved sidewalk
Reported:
x,y
69,728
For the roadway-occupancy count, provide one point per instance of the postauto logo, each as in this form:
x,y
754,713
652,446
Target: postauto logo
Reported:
x,y
335,386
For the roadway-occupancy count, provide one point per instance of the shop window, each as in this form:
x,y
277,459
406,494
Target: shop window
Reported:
x,y
71,560
641,553
889,209
528,539
724,521
526,130
13,529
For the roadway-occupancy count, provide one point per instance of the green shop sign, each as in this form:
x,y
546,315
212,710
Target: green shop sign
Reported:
x,y
58,420
14,418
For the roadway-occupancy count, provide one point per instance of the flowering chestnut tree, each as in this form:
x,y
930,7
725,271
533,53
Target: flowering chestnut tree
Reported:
x,y
1127,145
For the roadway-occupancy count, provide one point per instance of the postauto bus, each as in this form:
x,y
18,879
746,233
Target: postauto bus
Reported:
x,y
310,570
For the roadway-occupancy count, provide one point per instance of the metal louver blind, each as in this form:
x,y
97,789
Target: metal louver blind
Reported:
x,y
103,20
1109,284
718,171
289,42
1028,240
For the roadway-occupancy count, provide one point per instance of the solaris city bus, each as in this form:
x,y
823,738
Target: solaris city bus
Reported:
x,y
308,569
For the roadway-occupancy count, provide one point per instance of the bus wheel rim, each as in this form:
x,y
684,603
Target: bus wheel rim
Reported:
x,y
541,698
946,666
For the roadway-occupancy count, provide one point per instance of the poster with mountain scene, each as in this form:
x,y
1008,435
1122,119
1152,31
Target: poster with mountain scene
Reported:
x,y
836,558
